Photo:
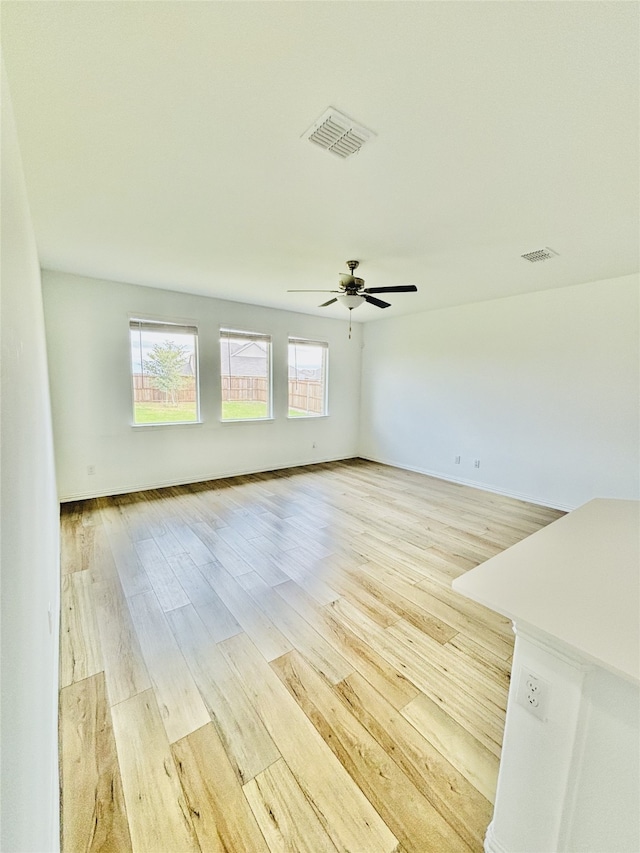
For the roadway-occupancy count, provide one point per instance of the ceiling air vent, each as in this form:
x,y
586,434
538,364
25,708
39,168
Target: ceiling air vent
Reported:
x,y
337,133
540,255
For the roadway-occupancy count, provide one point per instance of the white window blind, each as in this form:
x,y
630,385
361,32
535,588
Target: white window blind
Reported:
x,y
162,327
308,343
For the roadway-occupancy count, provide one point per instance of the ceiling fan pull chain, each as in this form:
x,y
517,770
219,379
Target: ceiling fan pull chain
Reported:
x,y
350,310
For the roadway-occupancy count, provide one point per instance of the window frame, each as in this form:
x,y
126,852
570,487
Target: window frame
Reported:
x,y
324,345
158,324
229,333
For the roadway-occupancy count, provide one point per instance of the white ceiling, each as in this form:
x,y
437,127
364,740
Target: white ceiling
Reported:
x,y
162,144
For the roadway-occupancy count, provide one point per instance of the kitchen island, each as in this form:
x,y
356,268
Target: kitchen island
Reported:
x,y
569,776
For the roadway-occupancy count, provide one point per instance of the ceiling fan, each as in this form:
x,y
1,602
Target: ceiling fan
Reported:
x,y
353,293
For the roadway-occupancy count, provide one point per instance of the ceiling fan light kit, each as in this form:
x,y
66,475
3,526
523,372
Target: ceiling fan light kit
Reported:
x,y
350,300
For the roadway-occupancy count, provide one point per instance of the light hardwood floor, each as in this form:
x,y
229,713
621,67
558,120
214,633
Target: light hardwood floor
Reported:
x,y
277,662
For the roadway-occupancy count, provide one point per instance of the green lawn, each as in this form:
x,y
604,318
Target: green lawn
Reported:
x,y
158,413
237,409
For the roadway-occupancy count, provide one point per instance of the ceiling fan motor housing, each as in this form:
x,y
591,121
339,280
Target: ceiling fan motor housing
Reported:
x,y
350,283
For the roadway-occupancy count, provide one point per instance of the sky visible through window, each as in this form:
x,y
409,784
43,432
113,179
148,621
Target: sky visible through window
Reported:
x,y
306,356
142,342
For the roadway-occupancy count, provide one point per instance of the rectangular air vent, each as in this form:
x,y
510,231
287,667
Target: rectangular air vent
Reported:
x,y
540,255
337,133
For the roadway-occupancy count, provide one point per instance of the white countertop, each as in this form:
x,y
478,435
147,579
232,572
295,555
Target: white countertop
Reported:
x,y
576,580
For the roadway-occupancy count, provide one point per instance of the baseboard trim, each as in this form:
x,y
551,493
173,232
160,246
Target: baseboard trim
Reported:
x,y
163,484
531,499
491,844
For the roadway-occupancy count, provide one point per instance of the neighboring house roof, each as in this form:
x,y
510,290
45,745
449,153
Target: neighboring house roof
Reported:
x,y
189,369
252,349
247,358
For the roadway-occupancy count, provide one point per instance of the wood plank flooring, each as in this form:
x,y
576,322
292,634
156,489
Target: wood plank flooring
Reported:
x,y
277,662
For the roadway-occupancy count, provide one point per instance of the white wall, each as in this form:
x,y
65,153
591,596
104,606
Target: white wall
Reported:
x,y
542,388
29,575
87,324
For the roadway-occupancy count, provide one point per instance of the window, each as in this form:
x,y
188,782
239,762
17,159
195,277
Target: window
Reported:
x,y
307,378
245,370
164,370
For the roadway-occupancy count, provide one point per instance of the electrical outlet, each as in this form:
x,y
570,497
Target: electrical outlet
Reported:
x,y
457,460
476,463
91,469
533,693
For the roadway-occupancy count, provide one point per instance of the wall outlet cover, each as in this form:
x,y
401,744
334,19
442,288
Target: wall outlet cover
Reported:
x,y
533,693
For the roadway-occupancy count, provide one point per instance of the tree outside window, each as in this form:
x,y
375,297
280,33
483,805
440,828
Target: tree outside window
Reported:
x,y
164,372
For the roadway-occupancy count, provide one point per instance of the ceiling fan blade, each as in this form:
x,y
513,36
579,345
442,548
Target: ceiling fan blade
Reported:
x,y
375,301
399,288
324,304
314,291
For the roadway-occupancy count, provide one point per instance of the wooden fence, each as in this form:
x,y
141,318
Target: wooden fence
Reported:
x,y
304,394
247,389
144,392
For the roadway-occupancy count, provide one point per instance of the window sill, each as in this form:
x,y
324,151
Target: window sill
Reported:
x,y
306,417
246,421
164,424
